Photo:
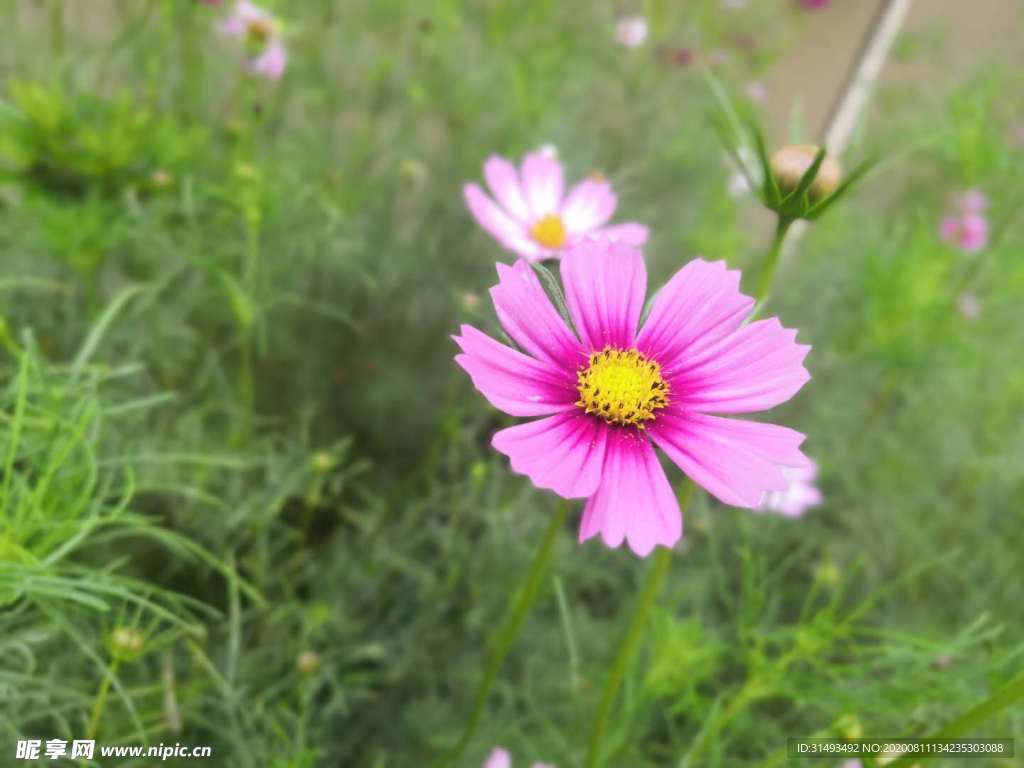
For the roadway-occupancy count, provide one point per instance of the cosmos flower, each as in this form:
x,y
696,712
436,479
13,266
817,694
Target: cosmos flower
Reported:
x,y
533,218
266,54
800,495
966,227
608,392
631,31
500,758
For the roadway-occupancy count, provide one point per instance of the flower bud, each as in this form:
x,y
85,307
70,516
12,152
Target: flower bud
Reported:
x,y
126,643
322,462
789,164
308,662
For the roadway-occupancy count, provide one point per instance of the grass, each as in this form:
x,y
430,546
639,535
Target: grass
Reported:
x,y
231,420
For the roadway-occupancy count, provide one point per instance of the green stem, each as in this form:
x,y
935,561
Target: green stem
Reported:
x,y
518,609
627,651
1010,694
101,700
771,264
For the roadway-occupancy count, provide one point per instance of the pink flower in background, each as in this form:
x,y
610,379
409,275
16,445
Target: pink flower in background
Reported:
x,y
969,306
756,91
814,3
261,34
800,495
966,227
500,758
609,392
533,218
631,31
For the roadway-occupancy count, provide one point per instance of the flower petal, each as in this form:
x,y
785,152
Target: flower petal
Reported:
x,y
589,205
605,284
511,381
736,461
634,501
699,305
510,233
542,183
563,453
753,369
503,180
499,758
629,233
527,315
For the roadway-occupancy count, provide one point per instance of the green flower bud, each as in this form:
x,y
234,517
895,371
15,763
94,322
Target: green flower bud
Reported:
x,y
126,643
308,662
789,164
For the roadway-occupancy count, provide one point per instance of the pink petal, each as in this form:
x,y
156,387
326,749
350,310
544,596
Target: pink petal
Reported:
x,y
634,501
605,284
973,232
510,233
503,180
527,315
542,183
589,205
701,304
752,369
499,758
271,63
949,230
563,453
511,381
736,461
629,233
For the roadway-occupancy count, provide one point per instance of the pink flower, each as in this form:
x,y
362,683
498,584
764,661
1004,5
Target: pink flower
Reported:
x,y
968,232
261,33
532,217
756,91
800,495
813,3
631,31
500,758
609,392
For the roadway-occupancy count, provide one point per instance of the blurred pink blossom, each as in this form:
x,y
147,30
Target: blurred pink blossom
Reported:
x,y
813,3
261,34
967,232
966,226
500,758
756,91
631,31
801,495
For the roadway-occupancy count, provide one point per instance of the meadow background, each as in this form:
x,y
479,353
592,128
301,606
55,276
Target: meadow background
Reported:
x,y
231,421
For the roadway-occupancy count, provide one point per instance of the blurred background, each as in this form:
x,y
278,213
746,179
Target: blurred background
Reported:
x,y
249,499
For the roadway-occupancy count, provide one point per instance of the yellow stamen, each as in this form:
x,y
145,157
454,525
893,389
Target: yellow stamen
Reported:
x,y
622,387
258,31
549,231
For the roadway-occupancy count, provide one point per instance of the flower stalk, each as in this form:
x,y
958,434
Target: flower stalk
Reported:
x,y
511,626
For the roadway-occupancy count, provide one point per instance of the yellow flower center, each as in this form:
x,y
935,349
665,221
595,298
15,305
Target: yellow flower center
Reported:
x,y
258,31
622,387
549,231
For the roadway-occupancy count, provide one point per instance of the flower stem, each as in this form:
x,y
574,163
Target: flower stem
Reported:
x,y
515,616
101,700
1010,694
627,651
771,264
